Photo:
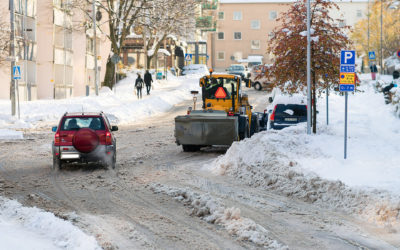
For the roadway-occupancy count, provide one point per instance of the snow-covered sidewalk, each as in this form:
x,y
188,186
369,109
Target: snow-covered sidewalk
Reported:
x,y
122,106
312,168
34,229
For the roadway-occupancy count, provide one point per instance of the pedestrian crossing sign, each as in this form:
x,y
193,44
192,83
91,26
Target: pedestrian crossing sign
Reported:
x,y
188,57
371,55
16,72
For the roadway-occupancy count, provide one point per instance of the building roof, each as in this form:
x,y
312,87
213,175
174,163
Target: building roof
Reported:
x,y
283,1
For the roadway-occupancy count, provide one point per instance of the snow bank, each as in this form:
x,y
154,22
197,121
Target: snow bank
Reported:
x,y
312,168
31,228
213,211
121,105
6,134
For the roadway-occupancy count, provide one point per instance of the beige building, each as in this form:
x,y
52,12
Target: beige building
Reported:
x,y
56,58
245,26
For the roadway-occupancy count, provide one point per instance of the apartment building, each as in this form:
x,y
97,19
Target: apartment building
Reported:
x,y
244,27
54,47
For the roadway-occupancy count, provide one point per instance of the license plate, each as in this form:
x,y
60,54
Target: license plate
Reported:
x,y
291,119
69,156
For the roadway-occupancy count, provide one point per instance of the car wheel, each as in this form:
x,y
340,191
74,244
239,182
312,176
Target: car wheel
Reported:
x,y
56,163
112,162
257,86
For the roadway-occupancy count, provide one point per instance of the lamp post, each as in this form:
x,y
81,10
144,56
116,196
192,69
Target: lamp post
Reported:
x,y
380,49
12,52
95,49
308,70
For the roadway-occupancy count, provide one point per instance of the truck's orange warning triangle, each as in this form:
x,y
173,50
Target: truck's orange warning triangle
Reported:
x,y
220,93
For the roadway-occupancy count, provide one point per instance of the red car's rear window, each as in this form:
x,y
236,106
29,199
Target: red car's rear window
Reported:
x,y
76,123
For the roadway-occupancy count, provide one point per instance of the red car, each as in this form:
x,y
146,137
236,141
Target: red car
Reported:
x,y
84,137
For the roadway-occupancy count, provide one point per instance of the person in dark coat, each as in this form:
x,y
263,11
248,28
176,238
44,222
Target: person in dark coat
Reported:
x,y
139,86
148,80
373,69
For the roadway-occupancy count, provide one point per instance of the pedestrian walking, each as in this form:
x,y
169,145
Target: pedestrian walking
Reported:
x,y
148,80
139,86
373,69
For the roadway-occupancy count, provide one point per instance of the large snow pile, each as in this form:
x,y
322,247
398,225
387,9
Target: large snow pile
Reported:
x,y
122,105
312,168
31,228
213,211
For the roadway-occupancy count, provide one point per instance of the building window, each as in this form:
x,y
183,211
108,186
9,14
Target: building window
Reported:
x,y
237,15
220,35
221,55
255,44
271,35
359,13
237,35
220,15
272,15
255,24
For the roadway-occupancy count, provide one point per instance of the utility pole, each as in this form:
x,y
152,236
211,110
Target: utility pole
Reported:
x,y
308,70
368,30
380,54
12,50
95,49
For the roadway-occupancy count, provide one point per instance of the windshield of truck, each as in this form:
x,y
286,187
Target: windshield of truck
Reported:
x,y
219,88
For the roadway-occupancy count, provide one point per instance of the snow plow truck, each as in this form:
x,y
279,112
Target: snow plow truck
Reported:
x,y
226,115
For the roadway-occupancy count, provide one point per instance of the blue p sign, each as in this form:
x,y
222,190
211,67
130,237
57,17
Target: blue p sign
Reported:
x,y
348,57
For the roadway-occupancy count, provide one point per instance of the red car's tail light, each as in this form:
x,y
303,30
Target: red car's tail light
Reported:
x,y
272,118
57,138
108,138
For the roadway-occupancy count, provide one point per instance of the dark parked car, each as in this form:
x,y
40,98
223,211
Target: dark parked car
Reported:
x,y
84,137
287,112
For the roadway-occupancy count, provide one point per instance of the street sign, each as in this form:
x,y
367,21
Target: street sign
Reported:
x,y
347,68
16,72
347,78
398,53
115,59
346,87
348,57
188,57
371,55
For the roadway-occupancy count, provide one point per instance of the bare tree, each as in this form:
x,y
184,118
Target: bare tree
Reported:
x,y
120,17
4,40
163,18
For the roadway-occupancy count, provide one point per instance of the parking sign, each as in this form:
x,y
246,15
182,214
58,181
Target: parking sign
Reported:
x,y
348,57
347,69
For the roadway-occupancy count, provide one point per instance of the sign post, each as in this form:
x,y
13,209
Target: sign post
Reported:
x,y
347,83
16,77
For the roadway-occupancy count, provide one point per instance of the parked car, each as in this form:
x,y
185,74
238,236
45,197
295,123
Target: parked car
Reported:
x,y
84,137
195,69
287,111
258,79
240,70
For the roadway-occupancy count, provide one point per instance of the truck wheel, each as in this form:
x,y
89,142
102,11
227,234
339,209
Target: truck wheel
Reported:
x,y
190,148
245,134
255,127
257,86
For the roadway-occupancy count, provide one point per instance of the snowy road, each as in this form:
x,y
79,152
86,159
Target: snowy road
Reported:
x,y
155,198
